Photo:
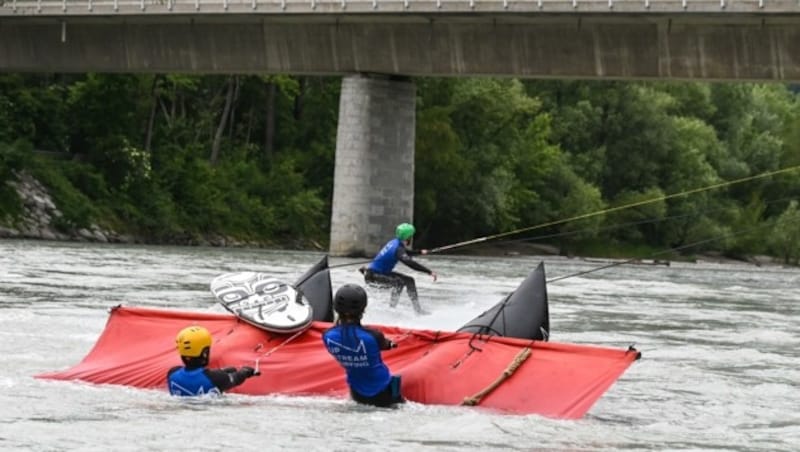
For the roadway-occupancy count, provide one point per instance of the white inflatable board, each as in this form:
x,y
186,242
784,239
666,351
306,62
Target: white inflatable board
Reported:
x,y
263,301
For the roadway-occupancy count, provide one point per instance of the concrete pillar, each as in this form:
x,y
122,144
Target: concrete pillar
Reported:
x,y
373,187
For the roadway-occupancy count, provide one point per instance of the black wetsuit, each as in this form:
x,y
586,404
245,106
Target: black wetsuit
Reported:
x,y
381,272
192,381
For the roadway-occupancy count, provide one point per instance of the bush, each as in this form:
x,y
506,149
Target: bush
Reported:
x,y
78,210
785,238
13,159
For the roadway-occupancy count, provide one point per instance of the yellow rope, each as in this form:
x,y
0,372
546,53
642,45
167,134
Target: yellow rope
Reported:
x,y
614,209
518,360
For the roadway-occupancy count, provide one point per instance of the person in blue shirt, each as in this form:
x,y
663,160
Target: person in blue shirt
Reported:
x,y
194,378
358,350
380,272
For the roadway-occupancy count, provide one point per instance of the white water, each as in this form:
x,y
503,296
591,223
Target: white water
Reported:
x,y
720,366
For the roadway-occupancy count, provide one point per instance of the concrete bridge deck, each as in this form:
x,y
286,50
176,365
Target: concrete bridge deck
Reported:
x,y
62,8
610,39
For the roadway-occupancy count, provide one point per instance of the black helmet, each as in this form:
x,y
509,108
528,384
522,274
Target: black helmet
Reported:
x,y
350,299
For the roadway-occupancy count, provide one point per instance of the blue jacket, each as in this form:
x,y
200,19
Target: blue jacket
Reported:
x,y
194,382
358,350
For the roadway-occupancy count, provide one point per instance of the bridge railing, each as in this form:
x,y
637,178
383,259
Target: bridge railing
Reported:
x,y
136,7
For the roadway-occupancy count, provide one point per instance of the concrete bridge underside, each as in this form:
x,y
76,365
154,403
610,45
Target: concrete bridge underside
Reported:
x,y
618,46
373,188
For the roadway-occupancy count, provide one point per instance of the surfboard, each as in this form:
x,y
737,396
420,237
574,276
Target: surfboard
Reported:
x,y
263,301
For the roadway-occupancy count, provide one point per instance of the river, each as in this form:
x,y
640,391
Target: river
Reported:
x,y
720,367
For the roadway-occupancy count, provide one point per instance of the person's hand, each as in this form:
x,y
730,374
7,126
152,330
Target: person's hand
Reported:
x,y
247,371
434,276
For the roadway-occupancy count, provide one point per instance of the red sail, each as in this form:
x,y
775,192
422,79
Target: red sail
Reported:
x,y
555,380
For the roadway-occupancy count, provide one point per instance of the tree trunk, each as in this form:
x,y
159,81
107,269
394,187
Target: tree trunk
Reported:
x,y
153,109
167,116
298,100
250,115
238,87
269,126
223,120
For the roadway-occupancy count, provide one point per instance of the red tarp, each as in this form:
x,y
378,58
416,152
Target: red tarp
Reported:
x,y
558,380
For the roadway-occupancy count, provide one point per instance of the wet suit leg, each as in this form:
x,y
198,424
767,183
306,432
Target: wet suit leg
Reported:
x,y
390,280
411,287
397,281
384,399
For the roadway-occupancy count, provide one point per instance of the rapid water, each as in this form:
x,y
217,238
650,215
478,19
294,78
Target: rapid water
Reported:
x,y
720,368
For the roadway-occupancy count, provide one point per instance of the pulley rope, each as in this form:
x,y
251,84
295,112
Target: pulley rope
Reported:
x,y
347,264
631,223
613,209
274,349
671,250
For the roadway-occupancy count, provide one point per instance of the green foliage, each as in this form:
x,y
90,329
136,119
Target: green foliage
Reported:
x,y
439,171
576,132
10,204
691,100
749,220
78,210
784,239
32,108
13,158
492,156
105,118
471,148
581,199
693,150
638,223
299,210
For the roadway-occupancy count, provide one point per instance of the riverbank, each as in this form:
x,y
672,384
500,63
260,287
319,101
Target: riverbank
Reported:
x,y
41,220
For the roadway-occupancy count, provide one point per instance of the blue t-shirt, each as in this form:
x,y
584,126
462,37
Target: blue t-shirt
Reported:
x,y
358,350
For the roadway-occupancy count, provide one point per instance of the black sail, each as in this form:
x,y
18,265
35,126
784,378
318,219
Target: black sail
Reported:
x,y
315,285
523,314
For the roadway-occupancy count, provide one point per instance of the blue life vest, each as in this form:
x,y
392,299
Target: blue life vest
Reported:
x,y
192,382
386,258
359,353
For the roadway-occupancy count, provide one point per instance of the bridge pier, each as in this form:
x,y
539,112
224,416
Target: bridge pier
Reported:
x,y
373,187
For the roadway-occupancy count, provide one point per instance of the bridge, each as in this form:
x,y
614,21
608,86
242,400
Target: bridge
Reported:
x,y
621,39
377,45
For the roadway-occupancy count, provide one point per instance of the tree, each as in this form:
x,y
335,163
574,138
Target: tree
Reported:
x,y
784,240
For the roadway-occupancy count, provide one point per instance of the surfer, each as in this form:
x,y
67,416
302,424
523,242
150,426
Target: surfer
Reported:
x,y
380,272
194,378
358,350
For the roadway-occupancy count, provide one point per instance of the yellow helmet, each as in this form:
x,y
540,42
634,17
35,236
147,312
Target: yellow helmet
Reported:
x,y
192,340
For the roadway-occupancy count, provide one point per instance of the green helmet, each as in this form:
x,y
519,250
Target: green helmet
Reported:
x,y
404,231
